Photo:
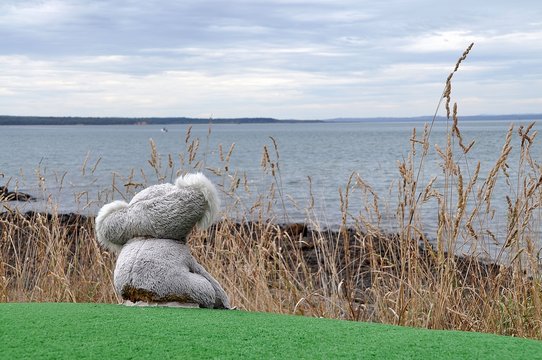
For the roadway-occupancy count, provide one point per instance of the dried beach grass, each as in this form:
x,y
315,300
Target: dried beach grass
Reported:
x,y
358,272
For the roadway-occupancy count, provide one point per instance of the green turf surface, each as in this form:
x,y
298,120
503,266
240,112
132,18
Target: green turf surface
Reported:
x,y
98,331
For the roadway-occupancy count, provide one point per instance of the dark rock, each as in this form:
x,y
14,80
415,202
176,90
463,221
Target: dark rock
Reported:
x,y
295,229
6,195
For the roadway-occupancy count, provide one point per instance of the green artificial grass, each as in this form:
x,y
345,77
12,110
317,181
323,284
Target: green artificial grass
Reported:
x,y
101,331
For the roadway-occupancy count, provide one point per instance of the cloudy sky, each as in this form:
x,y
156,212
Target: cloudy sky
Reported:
x,y
277,58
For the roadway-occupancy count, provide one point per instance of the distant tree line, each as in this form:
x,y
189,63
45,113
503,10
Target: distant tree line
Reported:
x,y
56,120
71,120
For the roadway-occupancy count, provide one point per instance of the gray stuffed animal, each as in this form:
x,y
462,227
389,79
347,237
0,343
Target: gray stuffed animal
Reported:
x,y
154,264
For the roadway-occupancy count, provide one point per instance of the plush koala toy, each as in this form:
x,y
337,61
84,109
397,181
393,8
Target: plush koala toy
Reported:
x,y
154,264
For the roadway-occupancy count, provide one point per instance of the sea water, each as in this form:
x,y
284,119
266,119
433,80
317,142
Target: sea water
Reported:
x,y
77,168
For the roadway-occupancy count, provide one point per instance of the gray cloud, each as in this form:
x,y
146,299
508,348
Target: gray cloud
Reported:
x,y
304,59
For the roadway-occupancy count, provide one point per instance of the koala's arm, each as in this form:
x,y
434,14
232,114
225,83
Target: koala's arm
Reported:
x,y
221,300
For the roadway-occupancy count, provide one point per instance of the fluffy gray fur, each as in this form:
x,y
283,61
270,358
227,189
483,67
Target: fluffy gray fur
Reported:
x,y
166,268
162,211
150,235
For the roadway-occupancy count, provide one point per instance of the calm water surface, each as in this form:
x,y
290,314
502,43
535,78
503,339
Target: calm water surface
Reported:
x,y
48,161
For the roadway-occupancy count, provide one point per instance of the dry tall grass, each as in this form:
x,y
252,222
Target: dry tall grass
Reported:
x,y
357,273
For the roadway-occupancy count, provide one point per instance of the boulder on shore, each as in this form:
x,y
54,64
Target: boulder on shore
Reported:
x,y
6,195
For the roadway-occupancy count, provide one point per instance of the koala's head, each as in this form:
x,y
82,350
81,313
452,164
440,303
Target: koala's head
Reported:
x,y
163,211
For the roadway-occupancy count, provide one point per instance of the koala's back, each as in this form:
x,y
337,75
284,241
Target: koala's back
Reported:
x,y
159,270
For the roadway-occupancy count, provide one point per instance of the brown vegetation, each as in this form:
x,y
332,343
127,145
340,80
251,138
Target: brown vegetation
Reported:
x,y
357,272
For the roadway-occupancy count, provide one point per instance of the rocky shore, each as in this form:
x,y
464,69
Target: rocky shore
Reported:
x,y
356,256
360,256
6,195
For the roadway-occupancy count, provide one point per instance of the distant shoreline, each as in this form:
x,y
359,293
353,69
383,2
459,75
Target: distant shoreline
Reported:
x,y
76,120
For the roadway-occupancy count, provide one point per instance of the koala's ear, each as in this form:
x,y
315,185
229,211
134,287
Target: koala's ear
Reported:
x,y
201,183
111,225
